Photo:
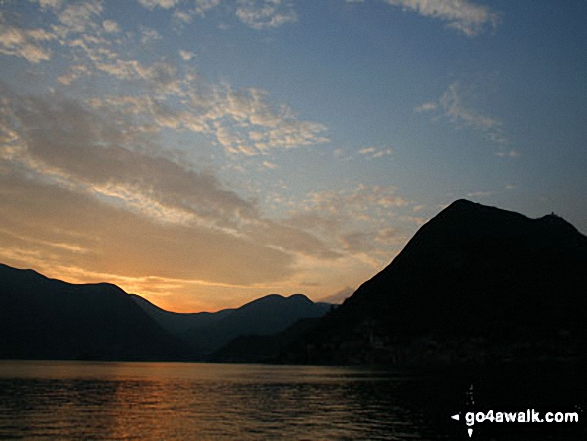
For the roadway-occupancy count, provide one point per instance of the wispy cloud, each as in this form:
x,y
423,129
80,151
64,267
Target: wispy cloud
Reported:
x,y
463,15
426,107
460,113
78,17
199,9
270,165
149,35
263,14
257,14
28,43
242,121
375,152
119,241
453,107
45,4
507,153
152,4
111,26
71,165
355,221
258,127
186,55
202,6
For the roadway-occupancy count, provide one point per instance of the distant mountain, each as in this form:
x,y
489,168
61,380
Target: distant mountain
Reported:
x,y
207,332
475,283
42,318
178,323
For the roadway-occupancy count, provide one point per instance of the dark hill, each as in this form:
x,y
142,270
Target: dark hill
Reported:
x,y
262,348
42,318
265,316
178,323
474,283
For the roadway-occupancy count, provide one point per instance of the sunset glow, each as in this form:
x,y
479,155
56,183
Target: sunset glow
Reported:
x,y
203,153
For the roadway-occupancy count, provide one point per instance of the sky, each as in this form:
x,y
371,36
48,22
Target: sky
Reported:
x,y
204,153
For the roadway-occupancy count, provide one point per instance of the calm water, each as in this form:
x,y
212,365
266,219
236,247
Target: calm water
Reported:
x,y
167,401
83,400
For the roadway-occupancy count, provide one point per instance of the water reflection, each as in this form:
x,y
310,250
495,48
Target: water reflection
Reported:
x,y
76,400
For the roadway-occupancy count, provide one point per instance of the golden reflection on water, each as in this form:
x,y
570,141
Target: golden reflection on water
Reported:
x,y
83,400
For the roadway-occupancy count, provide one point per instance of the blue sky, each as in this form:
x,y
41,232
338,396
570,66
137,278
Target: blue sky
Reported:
x,y
203,153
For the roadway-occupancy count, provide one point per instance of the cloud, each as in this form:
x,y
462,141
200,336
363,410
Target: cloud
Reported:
x,y
78,17
358,241
242,121
183,16
507,153
270,165
91,152
367,150
186,55
458,112
50,4
246,123
91,185
203,6
263,14
71,229
257,14
29,44
375,152
354,221
69,154
453,107
111,26
149,35
462,15
152,4
426,107
75,72
355,202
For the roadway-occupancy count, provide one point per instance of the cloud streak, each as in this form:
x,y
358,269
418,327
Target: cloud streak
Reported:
x,y
30,44
452,106
462,15
355,220
257,14
264,14
375,152
66,148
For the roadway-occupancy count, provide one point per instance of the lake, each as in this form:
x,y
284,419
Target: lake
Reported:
x,y
84,400
107,401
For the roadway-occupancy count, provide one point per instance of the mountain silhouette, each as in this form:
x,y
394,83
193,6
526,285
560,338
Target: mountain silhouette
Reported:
x,y
42,318
475,283
207,332
178,323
